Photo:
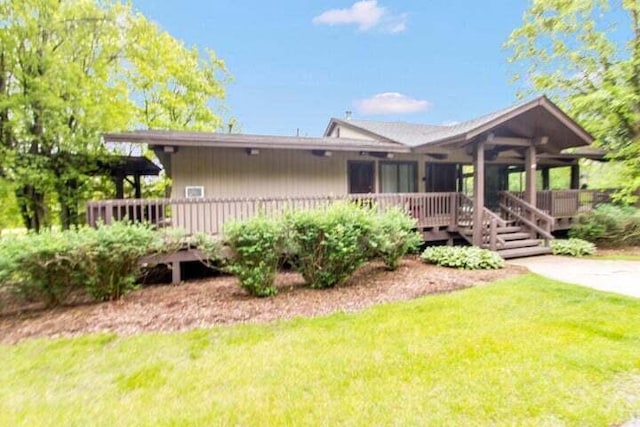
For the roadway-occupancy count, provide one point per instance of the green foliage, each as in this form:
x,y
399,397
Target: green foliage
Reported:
x,y
43,267
393,236
462,257
113,256
257,246
572,247
331,243
609,225
586,56
71,70
102,263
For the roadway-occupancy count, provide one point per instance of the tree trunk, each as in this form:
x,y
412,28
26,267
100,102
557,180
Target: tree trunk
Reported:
x,y
68,201
32,207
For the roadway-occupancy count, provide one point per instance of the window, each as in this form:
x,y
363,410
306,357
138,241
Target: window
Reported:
x,y
194,192
361,177
398,177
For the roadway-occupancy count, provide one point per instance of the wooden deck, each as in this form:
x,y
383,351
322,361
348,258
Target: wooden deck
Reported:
x,y
516,231
436,213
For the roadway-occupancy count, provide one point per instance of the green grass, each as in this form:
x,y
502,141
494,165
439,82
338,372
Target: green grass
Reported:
x,y
616,257
526,351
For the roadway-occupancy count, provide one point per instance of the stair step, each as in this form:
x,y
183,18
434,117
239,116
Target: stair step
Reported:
x,y
515,236
524,252
526,243
511,229
501,230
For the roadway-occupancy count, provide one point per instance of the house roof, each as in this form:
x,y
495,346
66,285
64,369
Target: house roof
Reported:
x,y
213,139
541,115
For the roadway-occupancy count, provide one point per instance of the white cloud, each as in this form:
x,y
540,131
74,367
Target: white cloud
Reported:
x,y
366,14
391,103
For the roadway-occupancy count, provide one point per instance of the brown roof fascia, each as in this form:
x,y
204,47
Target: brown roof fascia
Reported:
x,y
245,141
542,101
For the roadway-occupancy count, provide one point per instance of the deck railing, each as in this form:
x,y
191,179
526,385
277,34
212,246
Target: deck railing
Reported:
x,y
569,203
210,215
536,221
491,223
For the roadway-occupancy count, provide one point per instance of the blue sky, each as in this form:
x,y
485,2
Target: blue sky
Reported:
x,y
297,63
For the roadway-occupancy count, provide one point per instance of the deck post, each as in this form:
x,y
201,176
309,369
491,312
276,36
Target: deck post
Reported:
x,y
545,179
575,177
530,175
478,191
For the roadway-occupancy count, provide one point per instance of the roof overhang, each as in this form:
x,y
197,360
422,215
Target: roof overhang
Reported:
x,y
217,140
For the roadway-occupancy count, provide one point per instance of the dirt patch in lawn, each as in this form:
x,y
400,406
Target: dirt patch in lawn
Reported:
x,y
220,301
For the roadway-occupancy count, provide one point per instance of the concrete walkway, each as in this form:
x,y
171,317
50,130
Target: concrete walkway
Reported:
x,y
622,277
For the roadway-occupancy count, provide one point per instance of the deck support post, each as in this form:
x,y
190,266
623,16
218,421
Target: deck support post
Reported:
x,y
530,175
176,270
478,191
575,177
546,183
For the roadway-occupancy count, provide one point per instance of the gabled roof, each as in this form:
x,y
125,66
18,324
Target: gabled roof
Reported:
x,y
214,139
417,135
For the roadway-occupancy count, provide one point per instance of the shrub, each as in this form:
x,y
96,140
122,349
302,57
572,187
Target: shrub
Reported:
x,y
331,243
608,225
102,262
394,236
113,255
43,267
257,247
210,247
462,257
572,247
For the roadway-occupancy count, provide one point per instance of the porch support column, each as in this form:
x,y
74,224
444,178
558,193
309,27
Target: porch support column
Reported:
x,y
545,179
136,184
530,175
575,177
478,191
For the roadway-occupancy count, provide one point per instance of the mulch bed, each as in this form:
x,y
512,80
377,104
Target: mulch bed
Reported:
x,y
220,301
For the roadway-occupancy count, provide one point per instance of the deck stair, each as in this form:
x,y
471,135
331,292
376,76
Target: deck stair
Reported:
x,y
520,230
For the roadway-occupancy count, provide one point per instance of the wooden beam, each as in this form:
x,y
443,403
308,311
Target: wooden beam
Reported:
x,y
478,191
530,175
512,142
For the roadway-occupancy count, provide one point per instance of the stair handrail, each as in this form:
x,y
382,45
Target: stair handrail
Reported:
x,y
487,214
490,223
537,217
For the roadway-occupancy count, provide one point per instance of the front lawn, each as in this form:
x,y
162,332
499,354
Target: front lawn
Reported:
x,y
523,351
630,253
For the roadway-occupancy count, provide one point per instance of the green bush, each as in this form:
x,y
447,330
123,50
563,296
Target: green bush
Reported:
x,y
608,225
394,236
113,255
331,243
257,247
103,263
462,257
572,247
44,267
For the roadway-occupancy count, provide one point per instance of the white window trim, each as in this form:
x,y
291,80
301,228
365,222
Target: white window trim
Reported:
x,y
194,188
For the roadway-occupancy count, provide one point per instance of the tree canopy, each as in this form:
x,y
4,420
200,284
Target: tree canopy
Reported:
x,y
73,69
585,55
